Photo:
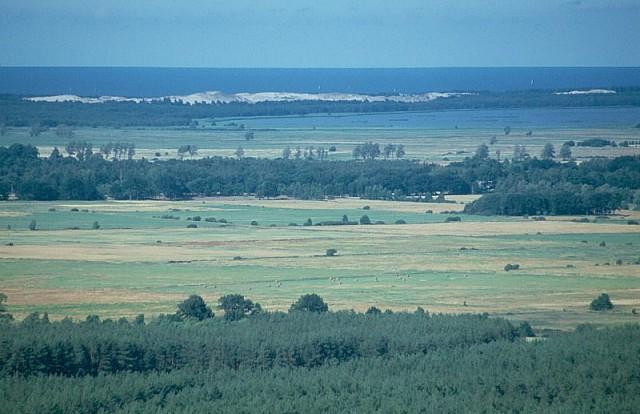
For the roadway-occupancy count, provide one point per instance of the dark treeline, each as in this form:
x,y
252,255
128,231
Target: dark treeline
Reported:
x,y
529,186
598,186
263,341
306,361
15,111
552,199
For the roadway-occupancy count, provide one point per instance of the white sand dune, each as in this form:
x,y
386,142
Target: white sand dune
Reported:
x,y
218,97
587,92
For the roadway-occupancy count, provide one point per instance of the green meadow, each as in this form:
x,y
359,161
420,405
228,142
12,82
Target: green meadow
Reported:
x,y
138,262
434,136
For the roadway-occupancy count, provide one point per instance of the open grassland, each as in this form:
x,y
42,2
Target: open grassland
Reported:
x,y
440,137
433,145
138,262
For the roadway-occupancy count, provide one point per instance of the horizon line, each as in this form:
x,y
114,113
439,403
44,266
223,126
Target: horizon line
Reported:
x,y
319,67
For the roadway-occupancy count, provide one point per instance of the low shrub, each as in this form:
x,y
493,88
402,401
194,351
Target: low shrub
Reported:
x,y
601,303
581,220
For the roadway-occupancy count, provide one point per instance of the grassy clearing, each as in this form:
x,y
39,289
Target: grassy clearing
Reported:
x,y
441,137
123,269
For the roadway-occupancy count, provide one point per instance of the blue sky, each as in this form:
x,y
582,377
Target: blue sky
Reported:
x,y
327,33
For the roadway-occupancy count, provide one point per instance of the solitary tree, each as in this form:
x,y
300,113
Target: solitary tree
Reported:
x,y
309,153
357,152
388,151
525,330
194,307
507,130
565,152
519,152
239,153
131,151
309,303
482,152
36,130
237,307
187,149
548,152
82,150
400,151
365,220
286,153
373,311
55,154
33,225
105,149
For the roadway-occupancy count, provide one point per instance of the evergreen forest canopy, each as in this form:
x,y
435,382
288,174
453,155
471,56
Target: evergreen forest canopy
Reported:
x,y
525,186
312,360
18,112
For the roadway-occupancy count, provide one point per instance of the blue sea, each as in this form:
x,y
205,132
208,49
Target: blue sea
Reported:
x,y
152,82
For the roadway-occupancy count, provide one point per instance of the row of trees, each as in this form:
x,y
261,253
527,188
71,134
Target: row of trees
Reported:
x,y
237,307
308,153
118,150
520,152
604,184
371,151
